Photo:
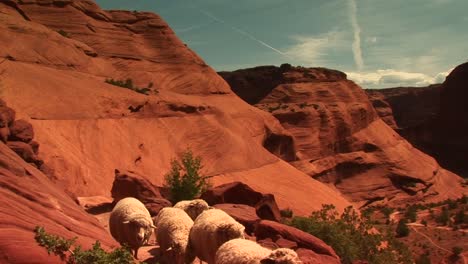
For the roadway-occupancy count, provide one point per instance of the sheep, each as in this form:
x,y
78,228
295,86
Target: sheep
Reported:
x,y
210,230
172,233
130,224
243,251
193,207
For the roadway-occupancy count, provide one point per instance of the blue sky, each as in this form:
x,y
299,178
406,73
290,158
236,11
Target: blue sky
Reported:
x,y
378,43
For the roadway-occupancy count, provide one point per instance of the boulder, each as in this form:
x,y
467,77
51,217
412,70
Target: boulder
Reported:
x,y
308,256
155,205
240,193
4,134
25,151
131,184
35,146
7,116
244,214
270,229
95,204
21,130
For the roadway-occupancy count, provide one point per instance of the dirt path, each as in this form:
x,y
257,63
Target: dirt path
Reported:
x,y
429,239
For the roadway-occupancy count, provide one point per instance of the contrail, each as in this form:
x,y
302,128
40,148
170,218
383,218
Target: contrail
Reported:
x,y
240,31
357,52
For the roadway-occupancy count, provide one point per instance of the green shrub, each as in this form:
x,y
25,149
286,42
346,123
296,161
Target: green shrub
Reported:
x,y
63,33
288,213
402,229
444,216
184,180
460,217
456,251
351,238
411,213
128,83
62,247
424,222
387,211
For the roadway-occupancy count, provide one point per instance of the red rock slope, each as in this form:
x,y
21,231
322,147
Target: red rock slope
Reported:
x,y
340,139
29,198
87,128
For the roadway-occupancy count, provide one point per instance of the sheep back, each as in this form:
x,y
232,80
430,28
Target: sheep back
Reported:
x,y
193,207
210,230
132,210
172,232
241,251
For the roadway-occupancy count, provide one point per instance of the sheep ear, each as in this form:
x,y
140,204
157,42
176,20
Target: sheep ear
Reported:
x,y
153,226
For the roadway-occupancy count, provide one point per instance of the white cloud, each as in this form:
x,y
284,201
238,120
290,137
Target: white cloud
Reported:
x,y
394,78
357,52
311,49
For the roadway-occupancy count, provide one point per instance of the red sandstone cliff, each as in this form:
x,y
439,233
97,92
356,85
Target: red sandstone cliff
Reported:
x,y
339,138
429,117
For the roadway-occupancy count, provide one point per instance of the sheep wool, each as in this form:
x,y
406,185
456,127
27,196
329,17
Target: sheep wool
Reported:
x,y
210,230
243,251
130,223
172,233
193,207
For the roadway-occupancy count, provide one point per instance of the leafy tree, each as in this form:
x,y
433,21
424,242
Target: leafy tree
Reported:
x,y
402,229
184,180
62,247
288,213
352,237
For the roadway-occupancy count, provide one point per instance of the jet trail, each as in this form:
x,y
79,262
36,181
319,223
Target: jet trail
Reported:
x,y
240,31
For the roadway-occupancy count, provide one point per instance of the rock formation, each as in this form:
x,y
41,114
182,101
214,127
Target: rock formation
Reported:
x,y
430,117
29,198
88,127
340,140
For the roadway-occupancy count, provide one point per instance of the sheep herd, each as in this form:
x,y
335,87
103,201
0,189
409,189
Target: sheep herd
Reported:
x,y
191,229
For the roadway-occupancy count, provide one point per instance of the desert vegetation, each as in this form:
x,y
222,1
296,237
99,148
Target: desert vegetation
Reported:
x,y
128,84
184,180
352,237
69,252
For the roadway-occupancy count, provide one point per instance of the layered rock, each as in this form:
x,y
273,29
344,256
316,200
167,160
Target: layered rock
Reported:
x,y
30,199
340,140
429,117
87,127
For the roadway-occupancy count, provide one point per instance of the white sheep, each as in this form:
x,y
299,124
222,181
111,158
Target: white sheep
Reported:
x,y
193,207
243,251
130,224
210,230
172,233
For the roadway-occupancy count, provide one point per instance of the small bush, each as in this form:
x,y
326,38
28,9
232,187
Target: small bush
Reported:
x,y
402,229
184,180
288,213
63,33
444,216
351,236
456,251
62,247
128,83
411,213
424,222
